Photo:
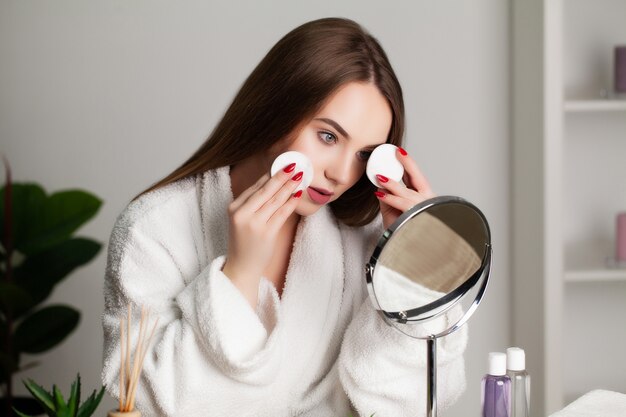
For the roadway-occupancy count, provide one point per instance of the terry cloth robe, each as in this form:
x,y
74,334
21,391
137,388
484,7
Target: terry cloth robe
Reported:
x,y
320,350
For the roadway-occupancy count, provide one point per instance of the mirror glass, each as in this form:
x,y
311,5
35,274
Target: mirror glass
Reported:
x,y
429,259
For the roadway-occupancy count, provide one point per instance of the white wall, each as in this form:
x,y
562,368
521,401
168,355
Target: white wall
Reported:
x,y
110,96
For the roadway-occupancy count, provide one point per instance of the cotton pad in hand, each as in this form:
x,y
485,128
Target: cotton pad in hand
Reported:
x,y
383,161
303,163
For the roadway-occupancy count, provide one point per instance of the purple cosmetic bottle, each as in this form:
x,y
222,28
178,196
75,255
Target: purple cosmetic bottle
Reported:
x,y
496,388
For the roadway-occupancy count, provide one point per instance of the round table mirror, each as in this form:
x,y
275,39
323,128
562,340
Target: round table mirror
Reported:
x,y
432,263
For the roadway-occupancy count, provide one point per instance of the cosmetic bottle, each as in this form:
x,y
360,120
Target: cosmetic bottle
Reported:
x,y
496,388
520,382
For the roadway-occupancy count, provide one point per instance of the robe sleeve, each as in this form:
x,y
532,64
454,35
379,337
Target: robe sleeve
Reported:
x,y
384,371
204,322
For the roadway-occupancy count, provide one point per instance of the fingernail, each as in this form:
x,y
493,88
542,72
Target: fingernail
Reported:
x,y
382,178
298,176
289,167
402,151
298,194
379,194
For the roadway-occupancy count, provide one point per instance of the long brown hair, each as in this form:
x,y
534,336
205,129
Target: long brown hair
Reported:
x,y
289,86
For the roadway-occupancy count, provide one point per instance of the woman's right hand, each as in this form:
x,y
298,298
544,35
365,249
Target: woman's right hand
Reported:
x,y
256,216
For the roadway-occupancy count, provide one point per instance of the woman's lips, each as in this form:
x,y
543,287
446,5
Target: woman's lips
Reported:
x,y
317,196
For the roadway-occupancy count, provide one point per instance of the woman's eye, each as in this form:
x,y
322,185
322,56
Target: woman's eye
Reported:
x,y
364,155
327,137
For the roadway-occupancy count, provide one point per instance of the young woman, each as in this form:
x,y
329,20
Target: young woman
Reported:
x,y
259,290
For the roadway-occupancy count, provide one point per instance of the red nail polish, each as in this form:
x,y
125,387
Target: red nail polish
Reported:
x,y
382,178
402,151
289,167
298,194
298,176
379,194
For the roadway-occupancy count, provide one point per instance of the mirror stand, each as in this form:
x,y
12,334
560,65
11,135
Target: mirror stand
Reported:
x,y
431,372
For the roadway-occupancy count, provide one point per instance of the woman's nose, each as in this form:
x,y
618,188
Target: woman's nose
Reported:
x,y
339,169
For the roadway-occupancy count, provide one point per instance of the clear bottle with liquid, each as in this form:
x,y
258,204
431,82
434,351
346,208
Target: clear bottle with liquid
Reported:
x,y
496,388
520,382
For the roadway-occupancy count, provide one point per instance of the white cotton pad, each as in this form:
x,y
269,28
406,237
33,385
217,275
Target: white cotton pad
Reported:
x,y
303,163
383,161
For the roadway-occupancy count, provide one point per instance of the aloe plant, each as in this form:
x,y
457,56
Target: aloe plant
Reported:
x,y
37,251
54,404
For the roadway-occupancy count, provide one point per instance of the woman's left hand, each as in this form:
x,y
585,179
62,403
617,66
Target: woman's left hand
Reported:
x,y
396,198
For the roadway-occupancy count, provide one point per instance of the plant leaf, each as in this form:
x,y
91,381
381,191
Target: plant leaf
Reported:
x,y
59,401
89,406
28,199
42,396
24,404
74,399
6,198
19,413
28,366
61,215
45,328
8,366
13,299
38,274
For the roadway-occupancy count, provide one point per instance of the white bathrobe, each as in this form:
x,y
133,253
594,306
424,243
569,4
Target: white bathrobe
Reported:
x,y
320,350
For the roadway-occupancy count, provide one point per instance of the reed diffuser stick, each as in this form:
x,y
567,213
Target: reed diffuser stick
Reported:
x,y
128,337
122,361
141,359
135,373
131,362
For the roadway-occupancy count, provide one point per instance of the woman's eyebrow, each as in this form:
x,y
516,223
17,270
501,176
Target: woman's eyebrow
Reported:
x,y
336,125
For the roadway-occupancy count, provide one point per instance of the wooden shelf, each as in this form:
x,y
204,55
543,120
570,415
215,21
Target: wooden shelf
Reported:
x,y
599,105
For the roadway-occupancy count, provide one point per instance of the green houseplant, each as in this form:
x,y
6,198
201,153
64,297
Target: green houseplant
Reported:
x,y
37,251
54,404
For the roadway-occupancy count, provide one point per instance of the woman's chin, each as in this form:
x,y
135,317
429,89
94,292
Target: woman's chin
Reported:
x,y
306,207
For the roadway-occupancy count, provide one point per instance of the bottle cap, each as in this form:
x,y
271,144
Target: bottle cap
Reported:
x,y
497,363
515,359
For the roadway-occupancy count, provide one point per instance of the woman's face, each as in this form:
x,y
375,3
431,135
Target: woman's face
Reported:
x,y
339,139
